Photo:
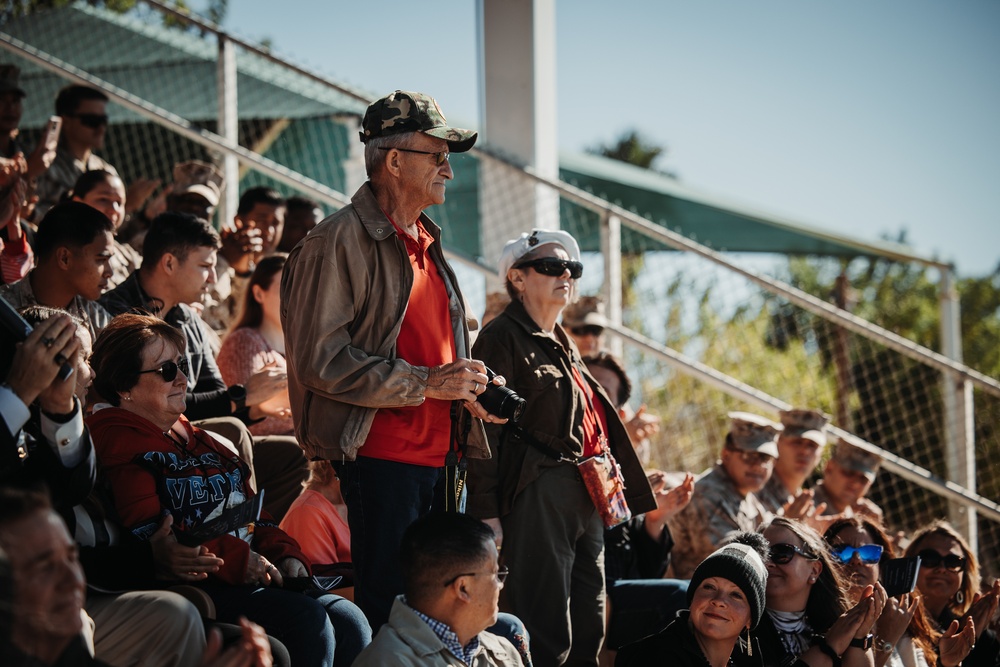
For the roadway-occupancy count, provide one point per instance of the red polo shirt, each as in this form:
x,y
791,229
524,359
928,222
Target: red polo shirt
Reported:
x,y
418,435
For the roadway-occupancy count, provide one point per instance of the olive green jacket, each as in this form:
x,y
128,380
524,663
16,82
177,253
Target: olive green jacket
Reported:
x,y
540,370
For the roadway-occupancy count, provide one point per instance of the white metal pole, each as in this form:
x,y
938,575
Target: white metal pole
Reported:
x,y
611,250
228,118
959,429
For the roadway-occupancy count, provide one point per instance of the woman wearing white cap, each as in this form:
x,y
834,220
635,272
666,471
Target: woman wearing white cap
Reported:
x,y
531,491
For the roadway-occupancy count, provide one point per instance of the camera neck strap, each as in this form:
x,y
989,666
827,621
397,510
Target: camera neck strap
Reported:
x,y
552,453
455,463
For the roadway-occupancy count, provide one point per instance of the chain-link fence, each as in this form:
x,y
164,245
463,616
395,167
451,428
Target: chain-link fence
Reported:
x,y
683,311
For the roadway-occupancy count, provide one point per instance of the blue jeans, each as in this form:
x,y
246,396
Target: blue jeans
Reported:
x,y
512,629
642,607
383,498
317,628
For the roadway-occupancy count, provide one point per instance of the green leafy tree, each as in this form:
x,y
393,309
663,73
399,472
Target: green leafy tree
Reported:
x,y
730,340
897,403
632,148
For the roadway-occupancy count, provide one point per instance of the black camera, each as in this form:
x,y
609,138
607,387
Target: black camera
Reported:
x,y
501,401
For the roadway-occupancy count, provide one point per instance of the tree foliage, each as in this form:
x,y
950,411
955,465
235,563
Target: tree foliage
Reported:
x,y
214,10
786,352
897,403
632,148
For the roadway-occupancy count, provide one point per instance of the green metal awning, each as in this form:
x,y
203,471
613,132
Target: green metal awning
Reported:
x,y
711,220
176,70
173,69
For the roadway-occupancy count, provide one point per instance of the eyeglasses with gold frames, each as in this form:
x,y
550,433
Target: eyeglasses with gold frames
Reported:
x,y
440,157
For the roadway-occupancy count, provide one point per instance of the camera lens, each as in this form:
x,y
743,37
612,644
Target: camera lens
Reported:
x,y
501,401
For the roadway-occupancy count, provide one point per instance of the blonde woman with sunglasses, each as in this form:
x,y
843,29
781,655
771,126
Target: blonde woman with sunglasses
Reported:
x,y
808,620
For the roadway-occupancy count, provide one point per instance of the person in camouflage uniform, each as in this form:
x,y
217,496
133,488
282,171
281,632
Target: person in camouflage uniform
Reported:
x,y
724,500
800,447
847,477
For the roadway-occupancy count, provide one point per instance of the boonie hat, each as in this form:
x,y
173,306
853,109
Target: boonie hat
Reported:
x,y
804,423
404,111
753,433
517,248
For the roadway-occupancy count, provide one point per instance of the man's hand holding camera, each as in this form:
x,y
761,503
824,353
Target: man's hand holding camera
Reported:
x,y
463,380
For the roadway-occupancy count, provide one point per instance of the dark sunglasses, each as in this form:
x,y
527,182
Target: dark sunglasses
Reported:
x,y
553,266
440,157
932,559
500,574
783,553
91,120
169,369
868,553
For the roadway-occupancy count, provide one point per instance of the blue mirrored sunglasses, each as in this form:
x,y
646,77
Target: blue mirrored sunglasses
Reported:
x,y
868,553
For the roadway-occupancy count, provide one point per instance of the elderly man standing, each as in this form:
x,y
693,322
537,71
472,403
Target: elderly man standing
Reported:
x,y
377,341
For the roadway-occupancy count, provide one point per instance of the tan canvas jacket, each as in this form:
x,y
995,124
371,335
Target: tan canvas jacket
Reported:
x,y
344,291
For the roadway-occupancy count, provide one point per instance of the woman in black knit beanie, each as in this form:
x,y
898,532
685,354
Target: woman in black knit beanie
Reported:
x,y
725,598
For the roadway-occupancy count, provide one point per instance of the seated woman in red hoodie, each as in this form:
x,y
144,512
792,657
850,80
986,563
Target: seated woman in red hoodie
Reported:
x,y
158,463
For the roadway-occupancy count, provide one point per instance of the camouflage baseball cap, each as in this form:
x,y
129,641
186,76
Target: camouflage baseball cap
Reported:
x,y
854,458
806,424
403,111
753,433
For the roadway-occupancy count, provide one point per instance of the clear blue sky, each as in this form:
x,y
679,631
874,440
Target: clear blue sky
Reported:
x,y
855,116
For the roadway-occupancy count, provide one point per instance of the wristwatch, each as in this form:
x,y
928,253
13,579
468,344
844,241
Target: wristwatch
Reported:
x,y
864,643
882,645
238,395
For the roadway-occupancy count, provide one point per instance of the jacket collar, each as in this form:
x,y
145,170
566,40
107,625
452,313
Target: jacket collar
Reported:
x,y
375,223
421,638
516,312
137,296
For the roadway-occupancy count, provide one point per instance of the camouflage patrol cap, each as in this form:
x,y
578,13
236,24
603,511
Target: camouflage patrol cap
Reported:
x,y
404,111
849,457
804,423
200,178
753,433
